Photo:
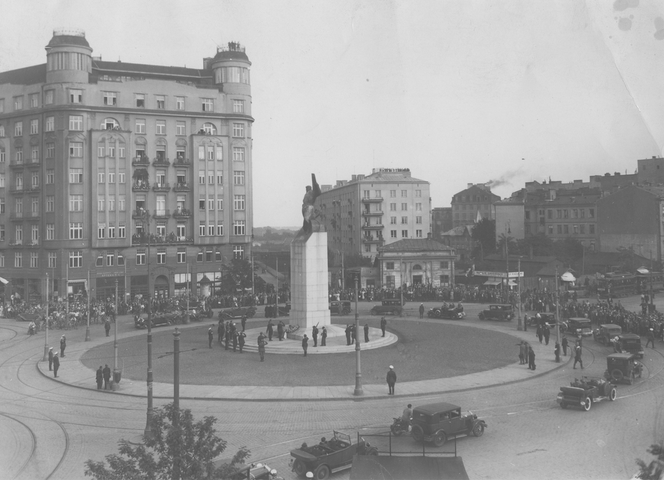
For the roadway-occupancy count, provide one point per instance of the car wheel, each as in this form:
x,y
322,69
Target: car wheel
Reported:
x,y
322,472
587,403
478,429
481,316
439,439
617,375
396,431
299,468
417,433
612,394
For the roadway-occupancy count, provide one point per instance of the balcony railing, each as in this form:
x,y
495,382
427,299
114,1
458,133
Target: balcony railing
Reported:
x,y
140,213
370,240
371,214
16,216
372,227
162,213
372,200
16,189
170,238
182,161
161,162
35,188
161,187
182,213
140,186
181,187
142,161
15,164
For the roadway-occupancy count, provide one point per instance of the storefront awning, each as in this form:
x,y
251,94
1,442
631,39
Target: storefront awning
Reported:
x,y
493,282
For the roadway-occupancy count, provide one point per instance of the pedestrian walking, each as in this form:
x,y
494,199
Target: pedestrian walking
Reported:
x,y
56,364
240,340
220,332
107,376
531,358
261,346
305,344
523,353
100,378
63,345
347,334
210,336
50,358
421,310
353,334
565,345
391,380
383,325
651,338
366,333
270,330
546,333
577,356
323,337
314,335
107,327
539,333
244,322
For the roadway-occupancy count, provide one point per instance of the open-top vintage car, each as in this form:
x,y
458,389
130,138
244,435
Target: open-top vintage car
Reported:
x,y
256,471
156,320
583,393
436,422
606,333
447,312
500,312
623,368
390,306
328,456
237,313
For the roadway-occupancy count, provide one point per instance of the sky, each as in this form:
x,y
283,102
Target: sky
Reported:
x,y
458,91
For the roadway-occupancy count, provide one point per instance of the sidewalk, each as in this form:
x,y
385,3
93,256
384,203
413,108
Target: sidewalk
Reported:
x,y
77,375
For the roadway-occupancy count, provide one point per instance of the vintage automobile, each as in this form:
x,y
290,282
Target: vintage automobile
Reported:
x,y
330,456
583,393
579,326
390,306
623,368
628,343
256,471
503,313
436,422
451,312
606,333
340,307
237,313
155,321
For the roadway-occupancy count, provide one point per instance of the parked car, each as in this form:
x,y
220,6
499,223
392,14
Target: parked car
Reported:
x,y
499,312
340,307
329,456
579,326
390,306
256,471
436,422
155,321
450,312
629,343
606,333
237,313
583,393
623,368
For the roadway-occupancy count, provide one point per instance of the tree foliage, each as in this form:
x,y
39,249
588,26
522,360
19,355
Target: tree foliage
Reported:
x,y
484,232
654,469
195,443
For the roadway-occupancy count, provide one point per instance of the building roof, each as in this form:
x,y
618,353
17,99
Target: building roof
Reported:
x,y
415,245
460,231
62,40
25,76
141,68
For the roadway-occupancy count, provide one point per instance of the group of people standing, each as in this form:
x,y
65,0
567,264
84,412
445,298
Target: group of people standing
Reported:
x,y
229,335
54,359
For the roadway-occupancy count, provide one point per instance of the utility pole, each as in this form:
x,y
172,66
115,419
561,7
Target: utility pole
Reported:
x,y
46,337
115,342
148,422
87,327
557,312
520,325
176,399
358,369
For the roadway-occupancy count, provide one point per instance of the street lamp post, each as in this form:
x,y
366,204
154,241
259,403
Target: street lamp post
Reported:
x,y
87,327
557,315
148,422
46,323
519,325
358,369
115,341
176,400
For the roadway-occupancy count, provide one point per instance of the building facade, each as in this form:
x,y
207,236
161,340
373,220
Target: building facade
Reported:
x,y
130,174
371,211
416,262
472,204
441,221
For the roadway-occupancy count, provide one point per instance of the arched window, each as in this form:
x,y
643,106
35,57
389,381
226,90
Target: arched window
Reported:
x,y
110,123
209,129
417,267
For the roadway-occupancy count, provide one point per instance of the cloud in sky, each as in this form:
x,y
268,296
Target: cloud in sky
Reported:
x,y
458,91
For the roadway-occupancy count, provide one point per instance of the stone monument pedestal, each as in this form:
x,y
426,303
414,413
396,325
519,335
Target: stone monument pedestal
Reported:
x,y
309,285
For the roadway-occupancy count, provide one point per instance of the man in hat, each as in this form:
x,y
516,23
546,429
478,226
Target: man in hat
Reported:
x,y
366,333
391,380
56,364
280,330
240,339
651,338
210,336
106,372
323,337
270,330
383,324
63,345
100,377
305,344
314,335
347,331
50,358
107,327
421,310
261,346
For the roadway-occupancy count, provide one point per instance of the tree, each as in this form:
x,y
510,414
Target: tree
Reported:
x,y
195,444
484,232
654,469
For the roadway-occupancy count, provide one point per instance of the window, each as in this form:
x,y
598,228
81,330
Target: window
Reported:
x,y
121,177
180,229
140,257
18,260
75,203
211,178
404,220
591,214
366,194
110,98
18,103
161,256
75,122
101,204
48,97
101,230
75,231
404,193
404,207
389,265
111,177
75,96
404,233
2,131
591,229
220,178
565,213
566,229
575,229
3,156
18,180
100,177
75,175
50,124
207,104
75,149
50,203
140,100
201,178
220,229
238,106
50,150
201,229
559,229
582,229
140,125
110,259
418,233
238,177
393,234
210,204
393,193
238,154
209,129
418,220
582,212
199,257
34,100
180,129
179,103
111,231
122,231
575,213
2,105
210,232
238,227
34,127
19,234
181,255
2,180
220,203
238,202
18,129
52,259
238,252
34,180
393,207
161,127
161,101
238,130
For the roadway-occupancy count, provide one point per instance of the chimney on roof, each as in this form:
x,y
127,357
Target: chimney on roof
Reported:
x,y
469,185
353,178
207,61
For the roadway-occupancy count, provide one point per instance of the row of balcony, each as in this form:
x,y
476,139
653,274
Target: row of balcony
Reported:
x,y
366,226
16,190
20,216
371,239
142,213
20,243
152,239
31,162
372,200
144,186
159,161
366,213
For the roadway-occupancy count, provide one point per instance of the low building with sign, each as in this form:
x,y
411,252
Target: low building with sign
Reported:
x,y
416,262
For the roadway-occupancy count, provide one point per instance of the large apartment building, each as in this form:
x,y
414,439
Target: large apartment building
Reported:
x,y
128,174
370,211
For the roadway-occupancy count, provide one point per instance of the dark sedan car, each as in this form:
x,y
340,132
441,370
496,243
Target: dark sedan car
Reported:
x,y
436,422
499,312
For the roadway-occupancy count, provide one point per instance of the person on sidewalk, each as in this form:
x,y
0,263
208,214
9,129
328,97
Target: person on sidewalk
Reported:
x,y
366,333
244,322
63,345
270,330
210,336
50,358
391,380
523,352
220,332
565,344
107,327
281,326
383,324
305,344
107,377
261,346
531,358
323,337
100,378
651,338
556,350
577,356
347,334
421,310
56,364
240,340
314,335
235,335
